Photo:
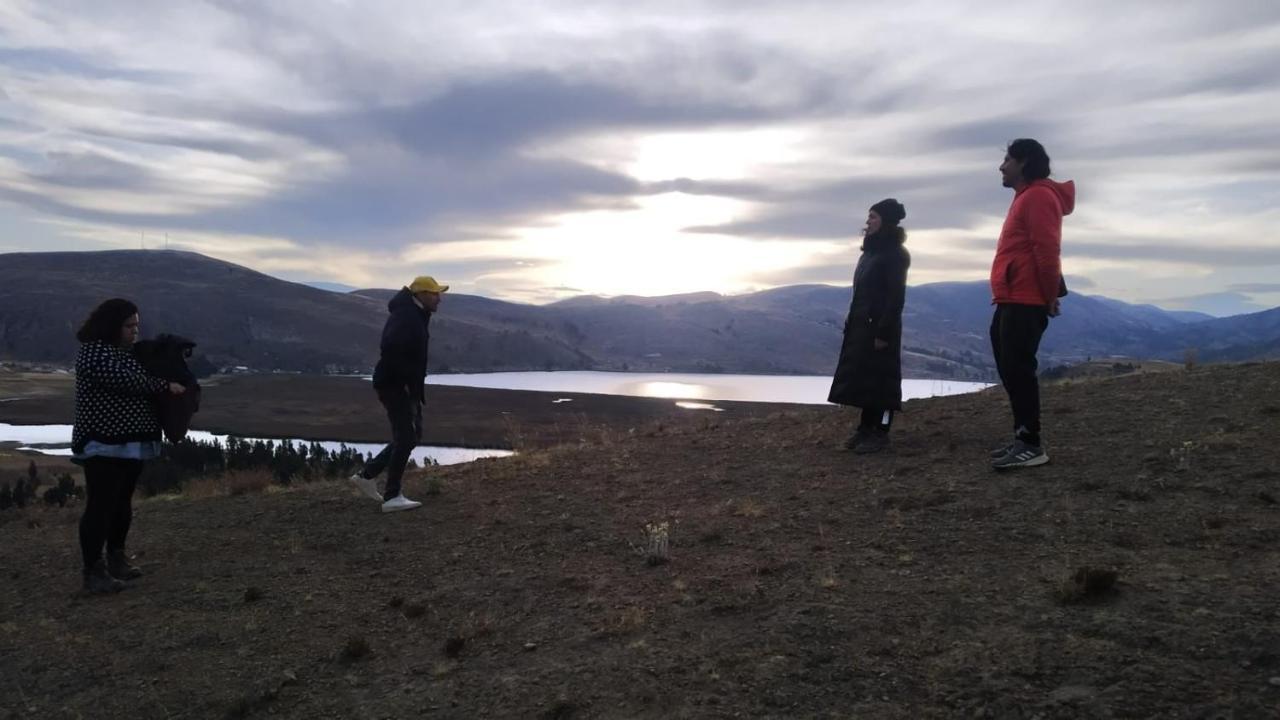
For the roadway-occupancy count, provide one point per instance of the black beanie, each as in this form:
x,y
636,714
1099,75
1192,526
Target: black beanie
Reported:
x,y
891,212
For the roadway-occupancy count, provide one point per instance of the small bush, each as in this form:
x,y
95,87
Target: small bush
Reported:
x,y
657,543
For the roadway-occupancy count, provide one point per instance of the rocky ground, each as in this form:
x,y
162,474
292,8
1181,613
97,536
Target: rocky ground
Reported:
x,y
1135,576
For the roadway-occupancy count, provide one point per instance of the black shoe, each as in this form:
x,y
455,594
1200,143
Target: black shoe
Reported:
x,y
856,439
874,442
98,581
1021,455
119,567
1001,451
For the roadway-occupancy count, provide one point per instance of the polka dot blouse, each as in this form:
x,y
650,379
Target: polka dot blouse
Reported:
x,y
115,397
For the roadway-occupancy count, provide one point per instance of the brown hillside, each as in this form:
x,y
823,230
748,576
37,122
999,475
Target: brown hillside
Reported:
x,y
802,581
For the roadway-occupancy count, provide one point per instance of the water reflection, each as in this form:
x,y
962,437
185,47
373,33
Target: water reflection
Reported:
x,y
663,389
56,440
698,406
806,389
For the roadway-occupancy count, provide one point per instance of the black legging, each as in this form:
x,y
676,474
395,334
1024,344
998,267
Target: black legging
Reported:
x,y
108,510
873,418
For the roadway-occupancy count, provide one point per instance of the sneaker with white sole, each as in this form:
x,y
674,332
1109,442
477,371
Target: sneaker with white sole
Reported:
x,y
368,486
1000,452
398,503
1020,455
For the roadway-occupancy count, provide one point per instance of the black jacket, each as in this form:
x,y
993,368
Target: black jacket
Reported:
x,y
165,357
115,397
866,377
405,339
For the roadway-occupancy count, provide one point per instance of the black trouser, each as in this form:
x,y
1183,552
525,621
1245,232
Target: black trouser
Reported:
x,y
1015,338
108,508
405,414
875,419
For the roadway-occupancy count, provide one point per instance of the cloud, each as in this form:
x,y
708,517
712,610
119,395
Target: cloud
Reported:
x,y
343,130
1220,304
90,169
1255,287
1212,255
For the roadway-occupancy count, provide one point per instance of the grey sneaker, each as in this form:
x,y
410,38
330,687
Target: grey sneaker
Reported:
x,y
1001,451
1021,455
874,442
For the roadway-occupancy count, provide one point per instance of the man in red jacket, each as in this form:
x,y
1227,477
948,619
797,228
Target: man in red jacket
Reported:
x,y
1026,284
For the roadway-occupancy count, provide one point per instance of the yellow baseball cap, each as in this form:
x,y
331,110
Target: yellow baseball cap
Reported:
x,y
426,283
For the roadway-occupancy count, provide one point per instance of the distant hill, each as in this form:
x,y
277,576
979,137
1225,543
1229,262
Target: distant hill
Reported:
x,y
244,318
330,286
238,316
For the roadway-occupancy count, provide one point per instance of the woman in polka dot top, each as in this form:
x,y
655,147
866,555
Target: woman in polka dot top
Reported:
x,y
115,430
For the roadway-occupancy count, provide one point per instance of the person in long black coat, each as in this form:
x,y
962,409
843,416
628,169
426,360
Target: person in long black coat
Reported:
x,y
869,373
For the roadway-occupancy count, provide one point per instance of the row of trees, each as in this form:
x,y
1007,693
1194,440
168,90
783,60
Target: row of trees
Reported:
x,y
26,490
287,461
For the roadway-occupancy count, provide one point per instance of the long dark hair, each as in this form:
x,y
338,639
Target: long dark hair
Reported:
x,y
885,237
1033,157
107,321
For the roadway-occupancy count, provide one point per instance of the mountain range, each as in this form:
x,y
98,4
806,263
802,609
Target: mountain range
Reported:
x,y
243,318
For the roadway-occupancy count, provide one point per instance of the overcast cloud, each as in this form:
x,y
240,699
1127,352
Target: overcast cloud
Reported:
x,y
535,150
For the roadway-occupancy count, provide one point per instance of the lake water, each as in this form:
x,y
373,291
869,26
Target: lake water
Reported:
x,y
695,387
691,391
55,440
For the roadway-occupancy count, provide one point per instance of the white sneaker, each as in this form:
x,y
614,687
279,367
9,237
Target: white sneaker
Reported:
x,y
400,502
368,486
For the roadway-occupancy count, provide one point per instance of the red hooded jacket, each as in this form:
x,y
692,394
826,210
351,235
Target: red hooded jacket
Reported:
x,y
1027,269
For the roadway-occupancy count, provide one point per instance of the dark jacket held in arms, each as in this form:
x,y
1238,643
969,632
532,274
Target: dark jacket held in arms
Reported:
x,y
165,357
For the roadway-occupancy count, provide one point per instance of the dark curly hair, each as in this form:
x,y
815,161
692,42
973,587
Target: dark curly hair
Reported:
x,y
1034,159
106,321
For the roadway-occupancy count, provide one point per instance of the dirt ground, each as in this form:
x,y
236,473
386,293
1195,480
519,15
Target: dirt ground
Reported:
x,y
801,581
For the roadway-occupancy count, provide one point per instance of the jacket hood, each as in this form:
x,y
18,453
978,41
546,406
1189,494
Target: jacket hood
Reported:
x,y
1066,192
401,299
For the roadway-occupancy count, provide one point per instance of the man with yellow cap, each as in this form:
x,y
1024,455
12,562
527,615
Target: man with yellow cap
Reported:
x,y
398,380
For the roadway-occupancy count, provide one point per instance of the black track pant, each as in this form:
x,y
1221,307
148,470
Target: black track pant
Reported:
x,y
405,414
1015,339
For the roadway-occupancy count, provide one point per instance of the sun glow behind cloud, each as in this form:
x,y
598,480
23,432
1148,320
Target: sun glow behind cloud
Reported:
x,y
643,250
535,151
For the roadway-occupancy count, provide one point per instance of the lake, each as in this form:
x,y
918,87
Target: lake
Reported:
x,y
806,389
692,391
56,439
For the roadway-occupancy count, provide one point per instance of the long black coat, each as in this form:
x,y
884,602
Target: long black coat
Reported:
x,y
866,377
406,338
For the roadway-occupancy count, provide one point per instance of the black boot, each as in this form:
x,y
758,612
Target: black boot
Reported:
x,y
98,581
858,437
875,441
119,567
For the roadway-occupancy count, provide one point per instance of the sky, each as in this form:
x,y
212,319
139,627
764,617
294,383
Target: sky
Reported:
x,y
534,151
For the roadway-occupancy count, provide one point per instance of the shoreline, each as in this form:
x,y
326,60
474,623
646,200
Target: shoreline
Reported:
x,y
319,407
